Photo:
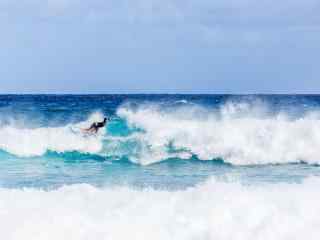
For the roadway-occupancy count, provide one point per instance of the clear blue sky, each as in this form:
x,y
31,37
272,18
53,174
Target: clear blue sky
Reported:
x,y
160,46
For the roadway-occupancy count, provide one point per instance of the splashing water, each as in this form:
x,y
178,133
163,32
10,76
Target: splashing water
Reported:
x,y
164,167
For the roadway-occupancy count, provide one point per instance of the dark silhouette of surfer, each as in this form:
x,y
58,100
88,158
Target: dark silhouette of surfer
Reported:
x,y
94,128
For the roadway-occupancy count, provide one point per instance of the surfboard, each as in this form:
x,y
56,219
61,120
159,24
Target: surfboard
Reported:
x,y
80,132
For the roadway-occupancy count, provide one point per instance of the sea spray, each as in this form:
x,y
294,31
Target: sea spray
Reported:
x,y
235,133
239,133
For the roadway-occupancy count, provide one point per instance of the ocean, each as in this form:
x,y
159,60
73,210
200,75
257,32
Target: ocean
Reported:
x,y
165,167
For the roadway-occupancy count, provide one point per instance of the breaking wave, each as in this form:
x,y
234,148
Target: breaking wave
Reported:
x,y
239,133
27,142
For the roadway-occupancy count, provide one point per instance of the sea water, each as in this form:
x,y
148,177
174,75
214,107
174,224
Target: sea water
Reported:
x,y
164,167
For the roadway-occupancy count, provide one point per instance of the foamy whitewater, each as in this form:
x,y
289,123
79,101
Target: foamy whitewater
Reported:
x,y
164,167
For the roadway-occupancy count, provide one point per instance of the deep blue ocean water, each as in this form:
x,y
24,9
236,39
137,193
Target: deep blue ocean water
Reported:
x,y
160,141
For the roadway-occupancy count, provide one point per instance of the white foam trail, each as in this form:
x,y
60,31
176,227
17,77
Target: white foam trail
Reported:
x,y
182,101
214,210
37,141
239,133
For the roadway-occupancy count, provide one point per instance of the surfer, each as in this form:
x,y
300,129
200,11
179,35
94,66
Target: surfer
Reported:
x,y
94,128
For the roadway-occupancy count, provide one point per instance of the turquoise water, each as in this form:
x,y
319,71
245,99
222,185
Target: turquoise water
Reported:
x,y
157,140
179,167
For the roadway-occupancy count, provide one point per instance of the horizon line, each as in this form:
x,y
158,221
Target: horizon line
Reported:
x,y
144,93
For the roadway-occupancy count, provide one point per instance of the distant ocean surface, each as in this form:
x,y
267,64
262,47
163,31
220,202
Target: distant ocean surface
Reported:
x,y
165,167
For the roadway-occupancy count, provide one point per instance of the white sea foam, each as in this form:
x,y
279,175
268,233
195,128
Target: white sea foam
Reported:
x,y
213,210
239,133
36,141
182,101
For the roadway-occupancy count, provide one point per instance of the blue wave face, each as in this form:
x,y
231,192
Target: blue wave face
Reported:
x,y
161,141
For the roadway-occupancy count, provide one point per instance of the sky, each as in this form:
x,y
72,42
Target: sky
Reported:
x,y
159,46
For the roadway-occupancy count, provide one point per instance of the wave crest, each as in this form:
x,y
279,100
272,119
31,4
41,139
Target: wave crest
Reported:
x,y
26,142
239,133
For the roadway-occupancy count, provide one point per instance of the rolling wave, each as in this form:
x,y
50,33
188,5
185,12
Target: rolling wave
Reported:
x,y
238,133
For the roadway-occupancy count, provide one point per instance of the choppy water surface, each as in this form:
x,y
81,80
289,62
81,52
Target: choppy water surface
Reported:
x,y
165,167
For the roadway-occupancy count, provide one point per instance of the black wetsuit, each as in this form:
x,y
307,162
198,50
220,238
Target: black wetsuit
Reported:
x,y
97,125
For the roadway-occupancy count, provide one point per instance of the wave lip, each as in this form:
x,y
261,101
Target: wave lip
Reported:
x,y
214,210
239,133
